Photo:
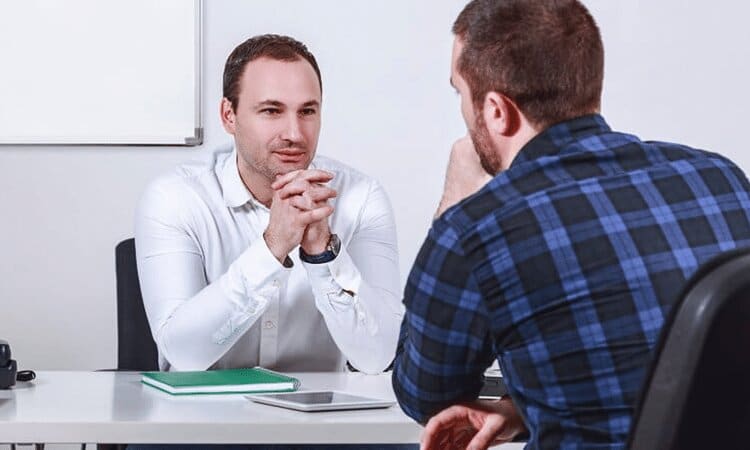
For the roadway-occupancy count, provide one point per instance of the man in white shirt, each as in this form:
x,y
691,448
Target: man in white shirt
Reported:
x,y
265,254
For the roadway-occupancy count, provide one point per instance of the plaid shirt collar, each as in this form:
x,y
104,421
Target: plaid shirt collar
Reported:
x,y
557,137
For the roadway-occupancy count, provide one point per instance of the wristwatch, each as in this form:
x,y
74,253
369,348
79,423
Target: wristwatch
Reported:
x,y
332,250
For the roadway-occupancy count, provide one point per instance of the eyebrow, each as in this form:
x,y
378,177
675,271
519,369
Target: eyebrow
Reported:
x,y
269,103
279,104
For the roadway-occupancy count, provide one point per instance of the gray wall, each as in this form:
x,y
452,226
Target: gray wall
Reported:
x,y
675,71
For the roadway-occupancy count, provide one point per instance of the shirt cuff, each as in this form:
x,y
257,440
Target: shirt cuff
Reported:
x,y
339,274
259,267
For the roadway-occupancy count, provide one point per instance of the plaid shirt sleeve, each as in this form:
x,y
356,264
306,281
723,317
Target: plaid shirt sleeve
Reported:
x,y
445,345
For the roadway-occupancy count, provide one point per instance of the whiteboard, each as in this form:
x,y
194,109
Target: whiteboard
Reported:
x,y
100,72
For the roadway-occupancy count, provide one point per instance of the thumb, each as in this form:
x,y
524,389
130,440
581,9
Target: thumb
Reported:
x,y
486,435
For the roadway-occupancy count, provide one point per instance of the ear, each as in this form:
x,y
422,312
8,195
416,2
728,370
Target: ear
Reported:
x,y
501,115
228,119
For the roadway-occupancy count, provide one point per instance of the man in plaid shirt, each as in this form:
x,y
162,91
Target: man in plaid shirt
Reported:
x,y
562,264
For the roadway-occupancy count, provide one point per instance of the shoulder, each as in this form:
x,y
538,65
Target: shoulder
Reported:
x,y
679,152
714,167
186,186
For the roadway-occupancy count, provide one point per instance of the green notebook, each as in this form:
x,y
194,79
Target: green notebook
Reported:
x,y
227,381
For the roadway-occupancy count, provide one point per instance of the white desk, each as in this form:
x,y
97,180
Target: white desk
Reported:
x,y
75,407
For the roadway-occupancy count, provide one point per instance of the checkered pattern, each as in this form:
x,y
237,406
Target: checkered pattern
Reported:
x,y
563,268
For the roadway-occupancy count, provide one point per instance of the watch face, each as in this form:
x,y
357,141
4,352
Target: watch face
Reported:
x,y
334,245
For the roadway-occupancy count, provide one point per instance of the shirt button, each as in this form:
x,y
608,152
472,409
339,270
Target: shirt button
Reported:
x,y
268,325
276,283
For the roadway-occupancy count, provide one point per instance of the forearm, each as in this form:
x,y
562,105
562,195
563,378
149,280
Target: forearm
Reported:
x,y
408,398
422,394
205,327
445,344
196,323
362,318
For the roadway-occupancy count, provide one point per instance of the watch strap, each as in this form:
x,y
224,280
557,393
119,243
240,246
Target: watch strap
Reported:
x,y
332,250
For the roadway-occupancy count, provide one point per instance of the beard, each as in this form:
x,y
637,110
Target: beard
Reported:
x,y
480,137
265,163
278,144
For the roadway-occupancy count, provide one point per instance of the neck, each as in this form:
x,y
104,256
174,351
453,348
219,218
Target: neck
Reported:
x,y
526,132
257,183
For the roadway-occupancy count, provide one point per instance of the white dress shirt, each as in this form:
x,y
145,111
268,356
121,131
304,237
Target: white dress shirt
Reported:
x,y
216,297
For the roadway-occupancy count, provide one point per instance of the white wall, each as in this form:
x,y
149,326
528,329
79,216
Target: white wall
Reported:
x,y
678,70
675,70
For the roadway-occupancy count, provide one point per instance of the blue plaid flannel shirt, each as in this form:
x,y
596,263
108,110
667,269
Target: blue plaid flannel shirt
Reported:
x,y
563,268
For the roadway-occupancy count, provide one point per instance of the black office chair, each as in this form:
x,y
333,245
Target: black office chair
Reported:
x,y
136,349
697,395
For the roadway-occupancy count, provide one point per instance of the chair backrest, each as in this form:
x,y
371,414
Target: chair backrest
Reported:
x,y
697,394
136,349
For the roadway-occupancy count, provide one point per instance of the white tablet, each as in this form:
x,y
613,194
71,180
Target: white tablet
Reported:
x,y
320,401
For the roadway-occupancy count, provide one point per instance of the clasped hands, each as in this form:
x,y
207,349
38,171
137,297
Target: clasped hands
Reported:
x,y
299,213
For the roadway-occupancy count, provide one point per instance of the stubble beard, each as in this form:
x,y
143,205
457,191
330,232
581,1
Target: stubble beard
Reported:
x,y
480,136
268,169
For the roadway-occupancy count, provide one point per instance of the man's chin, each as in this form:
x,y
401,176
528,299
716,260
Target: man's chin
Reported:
x,y
285,168
483,147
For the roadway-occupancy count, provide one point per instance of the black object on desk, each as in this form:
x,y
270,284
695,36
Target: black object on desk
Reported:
x,y
493,386
9,370
7,366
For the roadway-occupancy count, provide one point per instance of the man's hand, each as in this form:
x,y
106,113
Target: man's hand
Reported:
x,y
299,212
464,176
473,426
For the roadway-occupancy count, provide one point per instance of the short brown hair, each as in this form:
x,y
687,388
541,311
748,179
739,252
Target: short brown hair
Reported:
x,y
282,48
545,55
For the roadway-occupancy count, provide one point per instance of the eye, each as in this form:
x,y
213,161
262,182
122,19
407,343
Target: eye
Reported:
x,y
270,111
308,112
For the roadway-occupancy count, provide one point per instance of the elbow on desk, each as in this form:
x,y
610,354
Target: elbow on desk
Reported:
x,y
372,364
410,405
180,360
409,408
181,364
372,356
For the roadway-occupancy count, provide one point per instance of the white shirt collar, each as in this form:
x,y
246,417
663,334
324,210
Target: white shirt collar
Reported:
x,y
235,192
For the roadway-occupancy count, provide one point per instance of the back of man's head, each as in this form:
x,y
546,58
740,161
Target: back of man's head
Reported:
x,y
282,48
545,55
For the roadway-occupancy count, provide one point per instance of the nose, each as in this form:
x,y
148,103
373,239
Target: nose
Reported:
x,y
293,130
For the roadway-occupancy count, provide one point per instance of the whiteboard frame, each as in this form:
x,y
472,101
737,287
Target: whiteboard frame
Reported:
x,y
188,141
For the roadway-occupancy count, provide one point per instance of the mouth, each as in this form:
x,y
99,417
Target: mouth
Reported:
x,y
290,155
